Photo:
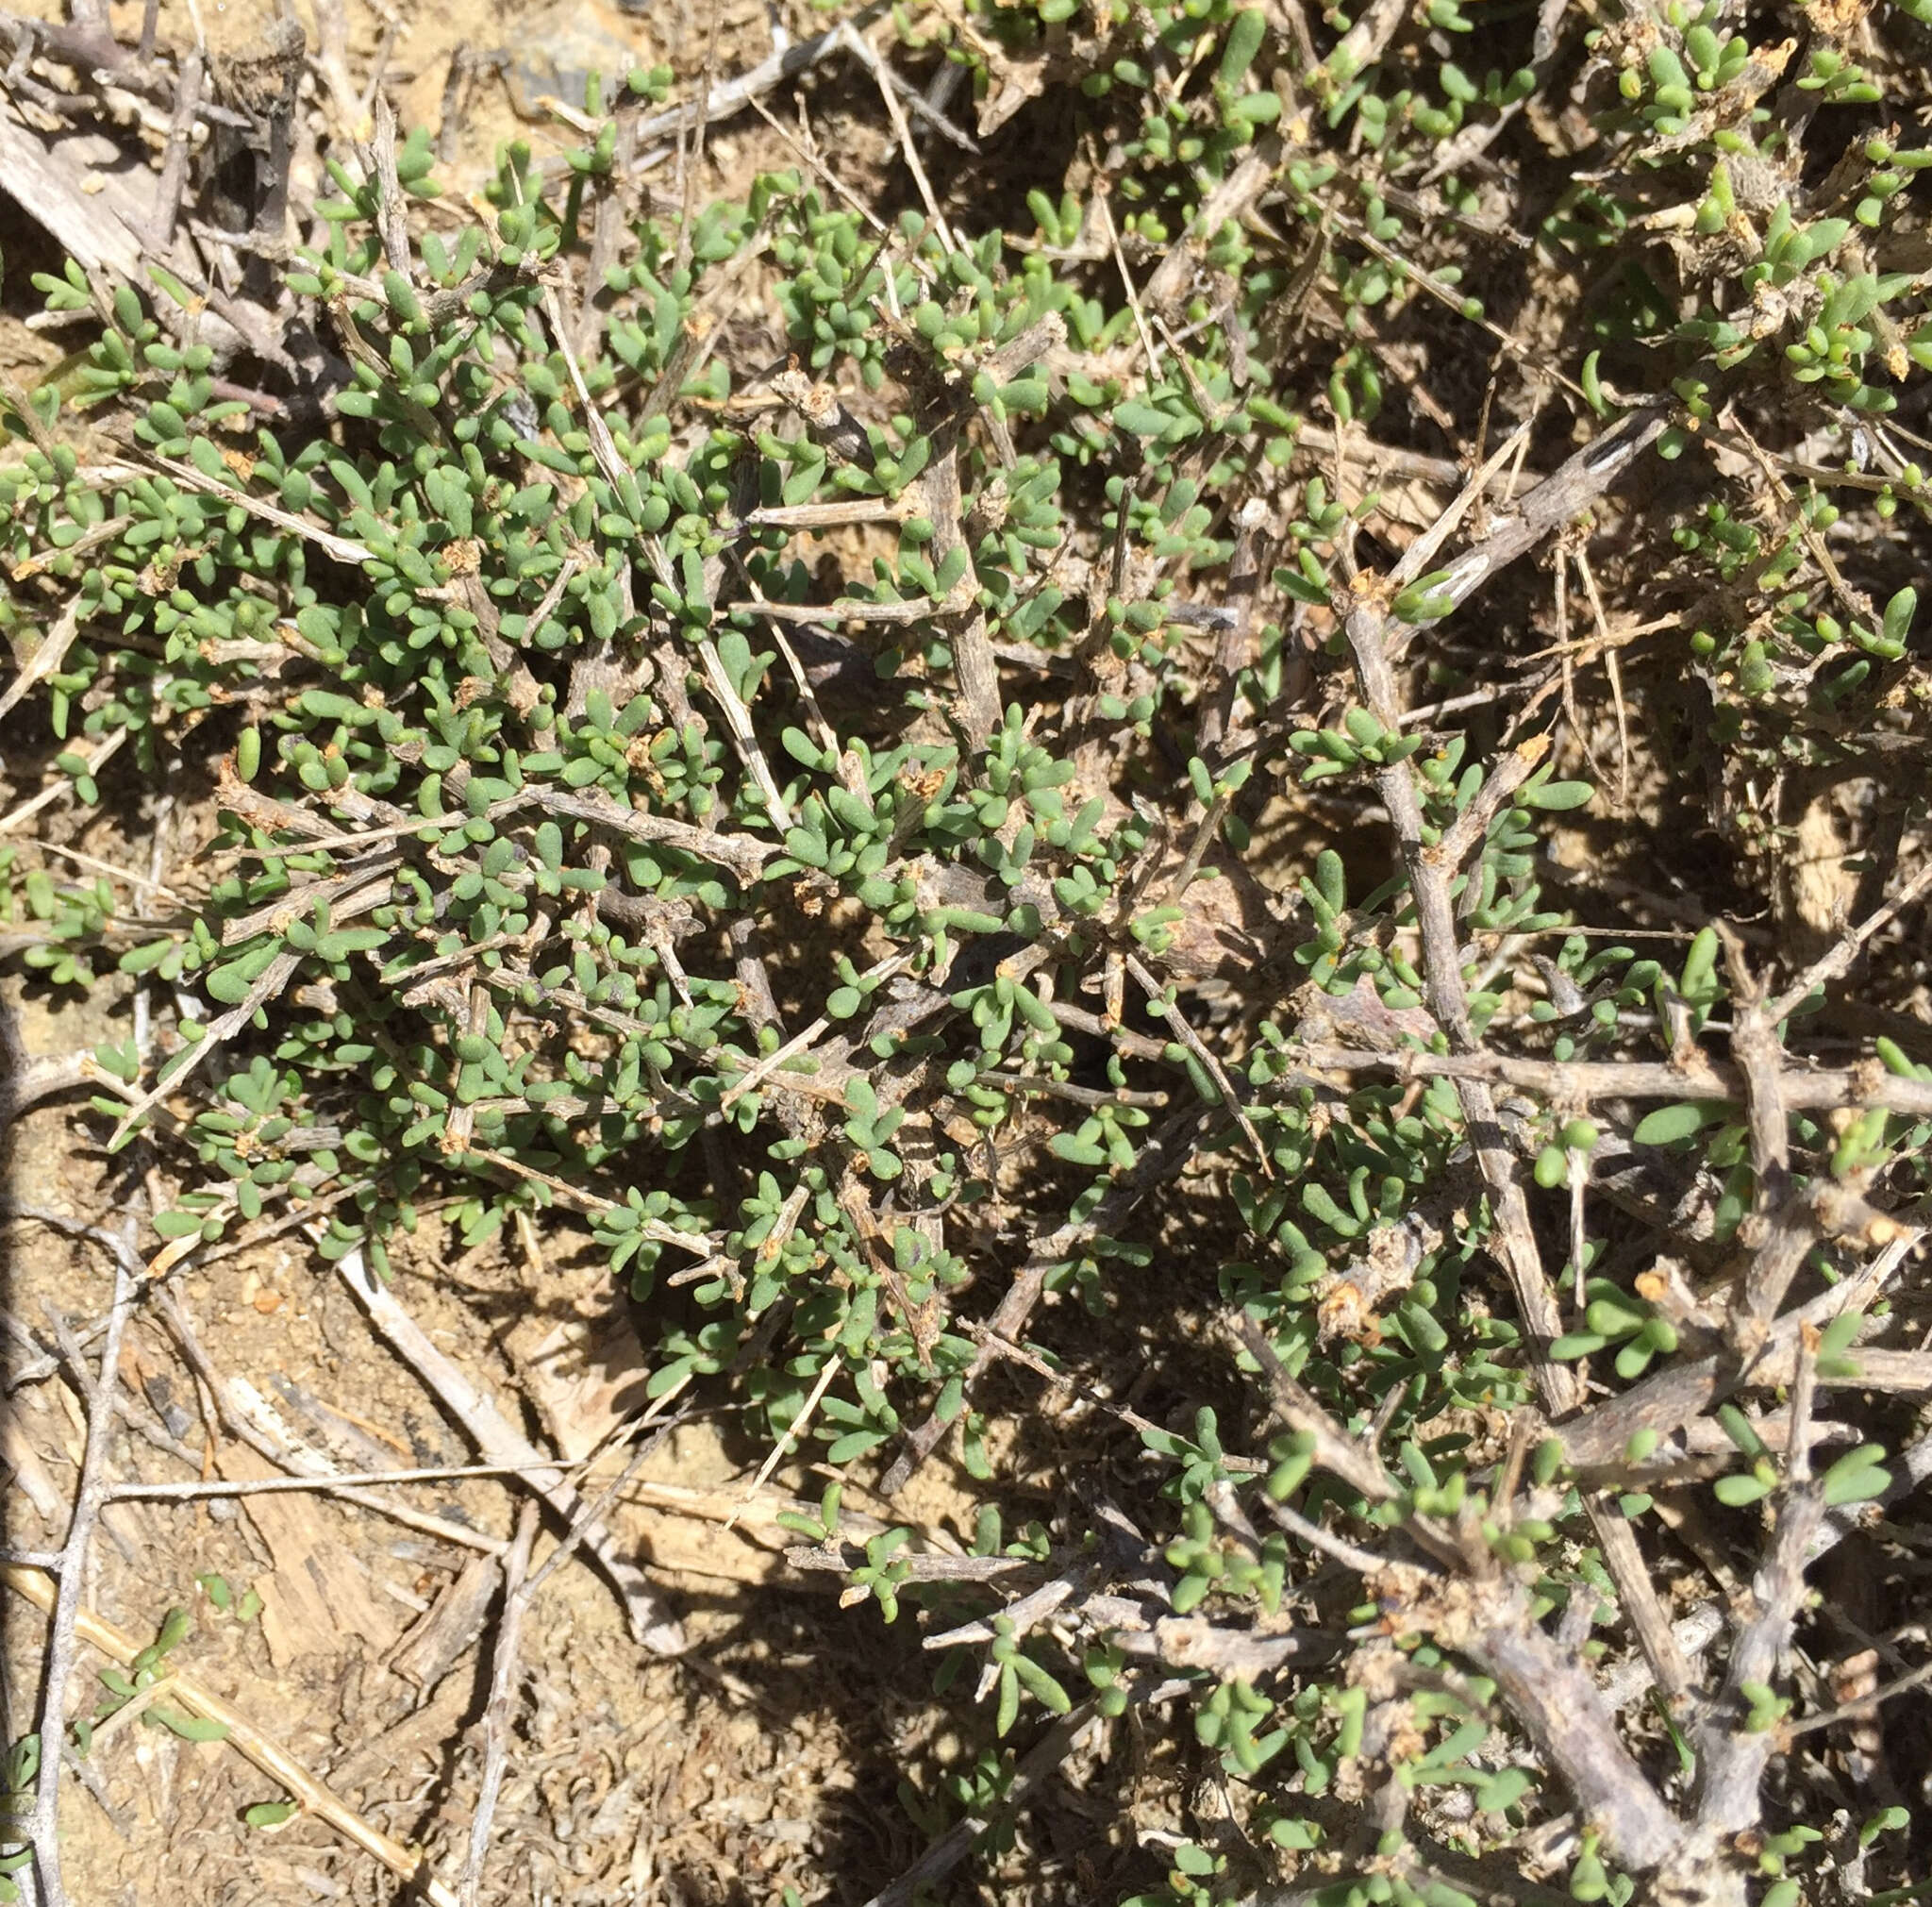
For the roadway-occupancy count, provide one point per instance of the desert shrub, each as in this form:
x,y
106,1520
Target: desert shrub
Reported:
x,y
992,811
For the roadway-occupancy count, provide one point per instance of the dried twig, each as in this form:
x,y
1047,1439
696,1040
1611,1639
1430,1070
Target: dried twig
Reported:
x,y
26,1081
392,211
845,1556
960,1840
159,237
1493,1620
1356,1465
1732,1758
65,1608
1584,1082
1161,1157
339,1483
59,784
267,986
268,1755
1559,1704
1863,1705
980,710
51,649
651,1621
877,65
1837,961
1671,1397
1367,622
505,1667
1162,999
1638,1598
590,1517
1448,1000
720,102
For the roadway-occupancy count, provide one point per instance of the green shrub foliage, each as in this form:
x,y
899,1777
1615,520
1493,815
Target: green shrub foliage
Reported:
x,y
745,750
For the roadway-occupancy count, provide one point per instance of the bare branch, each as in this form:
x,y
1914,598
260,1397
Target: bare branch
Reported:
x,y
1586,1082
505,1665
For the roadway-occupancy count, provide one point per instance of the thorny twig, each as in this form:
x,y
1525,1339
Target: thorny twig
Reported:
x,y
1367,621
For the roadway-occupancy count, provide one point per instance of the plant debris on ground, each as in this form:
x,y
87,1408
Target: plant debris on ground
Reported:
x,y
1173,754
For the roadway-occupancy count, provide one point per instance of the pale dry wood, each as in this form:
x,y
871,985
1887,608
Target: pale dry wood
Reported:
x,y
159,235
29,1473
1231,197
505,1667
266,986
847,609
1172,1016
1469,1602
1838,961
50,648
1636,1594
1354,1462
730,96
1567,1716
318,1590
57,784
249,1415
980,710
1691,1636
190,476
1732,1759
1862,1705
1668,1399
739,853
650,1619
875,63
26,1080
449,1629
1803,1088
97,230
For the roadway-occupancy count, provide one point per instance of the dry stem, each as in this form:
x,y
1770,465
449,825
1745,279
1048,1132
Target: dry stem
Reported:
x,y
267,1754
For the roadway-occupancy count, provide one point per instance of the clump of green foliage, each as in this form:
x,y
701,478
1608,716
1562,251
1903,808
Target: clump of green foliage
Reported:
x,y
584,845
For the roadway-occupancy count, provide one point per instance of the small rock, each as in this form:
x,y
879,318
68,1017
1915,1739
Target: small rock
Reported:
x,y
556,56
